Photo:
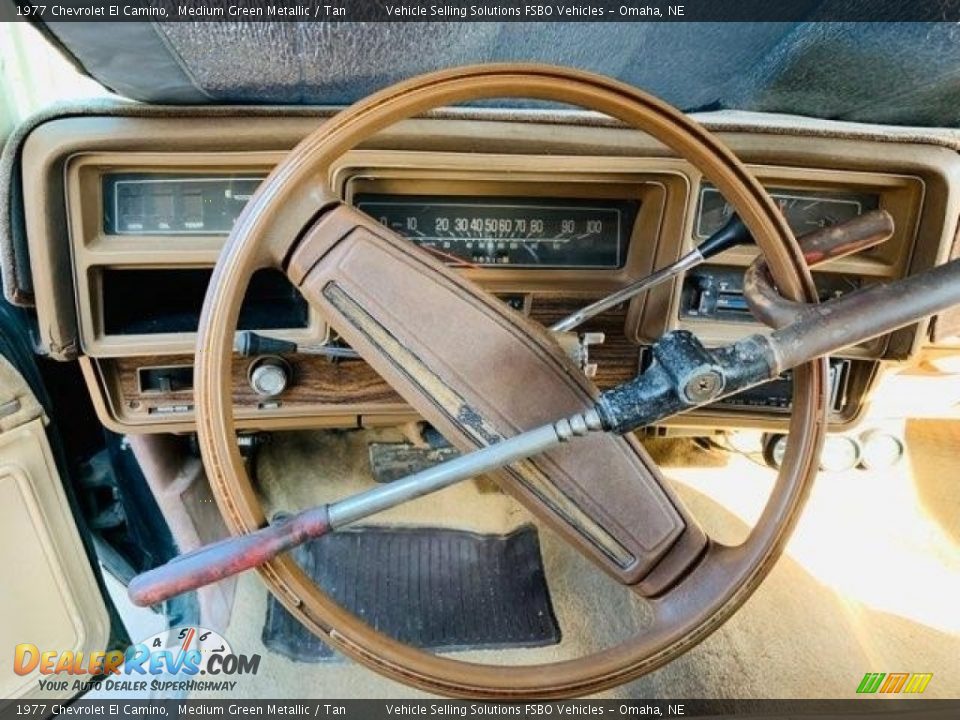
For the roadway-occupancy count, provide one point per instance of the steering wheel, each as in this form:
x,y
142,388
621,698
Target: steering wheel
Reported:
x,y
607,498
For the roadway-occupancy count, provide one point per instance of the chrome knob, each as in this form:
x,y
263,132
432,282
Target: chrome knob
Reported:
x,y
269,376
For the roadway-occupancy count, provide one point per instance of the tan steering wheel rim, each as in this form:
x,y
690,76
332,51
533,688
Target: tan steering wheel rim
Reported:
x,y
284,207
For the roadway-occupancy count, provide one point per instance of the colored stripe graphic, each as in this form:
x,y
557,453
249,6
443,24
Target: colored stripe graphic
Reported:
x,y
893,683
871,682
918,682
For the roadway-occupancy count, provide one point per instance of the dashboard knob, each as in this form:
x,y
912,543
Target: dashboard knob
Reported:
x,y
269,376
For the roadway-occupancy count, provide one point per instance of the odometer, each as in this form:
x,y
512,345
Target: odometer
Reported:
x,y
510,232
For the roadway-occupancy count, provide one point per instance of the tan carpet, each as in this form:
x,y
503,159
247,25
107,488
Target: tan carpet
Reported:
x,y
870,582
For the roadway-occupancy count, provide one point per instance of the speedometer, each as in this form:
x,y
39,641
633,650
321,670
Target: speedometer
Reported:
x,y
510,232
805,210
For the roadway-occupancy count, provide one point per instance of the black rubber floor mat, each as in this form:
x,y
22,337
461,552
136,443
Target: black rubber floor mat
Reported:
x,y
433,588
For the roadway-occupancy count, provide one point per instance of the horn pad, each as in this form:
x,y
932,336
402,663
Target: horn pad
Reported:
x,y
480,372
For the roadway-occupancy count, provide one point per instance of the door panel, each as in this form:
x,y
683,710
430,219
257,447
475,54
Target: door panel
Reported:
x,y
50,597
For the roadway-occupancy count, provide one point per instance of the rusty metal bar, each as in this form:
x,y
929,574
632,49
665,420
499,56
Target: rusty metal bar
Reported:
x,y
684,375
222,559
865,314
234,555
769,307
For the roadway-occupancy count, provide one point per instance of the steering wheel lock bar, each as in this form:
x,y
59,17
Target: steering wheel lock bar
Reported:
x,y
684,375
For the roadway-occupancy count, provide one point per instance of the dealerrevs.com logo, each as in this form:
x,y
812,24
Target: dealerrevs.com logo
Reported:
x,y
179,659
894,683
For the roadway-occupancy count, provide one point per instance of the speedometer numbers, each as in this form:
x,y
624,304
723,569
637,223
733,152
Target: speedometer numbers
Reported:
x,y
511,232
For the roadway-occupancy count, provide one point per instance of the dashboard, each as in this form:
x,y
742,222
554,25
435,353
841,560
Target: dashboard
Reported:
x,y
131,213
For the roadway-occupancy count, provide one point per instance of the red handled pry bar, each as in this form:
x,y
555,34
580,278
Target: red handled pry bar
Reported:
x,y
684,375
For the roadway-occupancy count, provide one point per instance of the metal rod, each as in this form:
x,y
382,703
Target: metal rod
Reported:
x,y
661,391
865,314
234,555
733,233
821,246
690,260
466,466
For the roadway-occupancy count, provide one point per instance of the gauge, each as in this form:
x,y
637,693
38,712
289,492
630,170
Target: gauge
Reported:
x,y
174,204
510,232
805,210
